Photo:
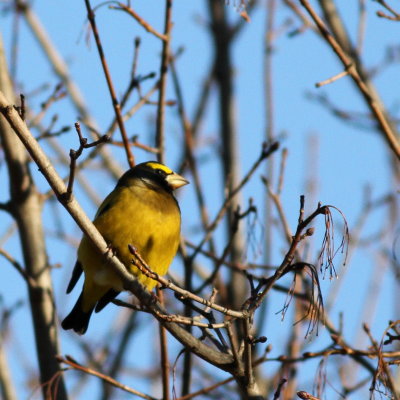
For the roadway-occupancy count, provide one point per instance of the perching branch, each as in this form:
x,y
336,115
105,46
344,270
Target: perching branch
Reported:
x,y
224,361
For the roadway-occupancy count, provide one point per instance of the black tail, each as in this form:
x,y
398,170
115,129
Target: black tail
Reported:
x,y
109,296
77,319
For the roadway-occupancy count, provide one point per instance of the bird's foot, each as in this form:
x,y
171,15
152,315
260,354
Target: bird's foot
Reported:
x,y
111,250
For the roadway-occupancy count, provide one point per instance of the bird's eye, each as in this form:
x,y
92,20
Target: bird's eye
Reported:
x,y
161,172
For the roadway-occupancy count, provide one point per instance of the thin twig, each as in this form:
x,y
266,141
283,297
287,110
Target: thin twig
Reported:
x,y
58,93
234,346
160,129
140,20
116,105
164,352
61,70
218,262
206,390
279,207
133,110
248,365
297,238
267,150
31,282
362,19
75,154
395,15
74,365
382,371
374,106
190,145
143,267
334,78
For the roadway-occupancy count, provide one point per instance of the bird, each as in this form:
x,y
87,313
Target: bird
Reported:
x,y
142,212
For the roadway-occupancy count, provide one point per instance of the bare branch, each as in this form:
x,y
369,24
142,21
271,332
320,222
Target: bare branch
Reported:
x,y
140,20
115,103
389,135
129,282
74,365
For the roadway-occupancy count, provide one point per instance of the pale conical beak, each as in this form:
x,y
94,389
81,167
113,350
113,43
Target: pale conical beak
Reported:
x,y
175,181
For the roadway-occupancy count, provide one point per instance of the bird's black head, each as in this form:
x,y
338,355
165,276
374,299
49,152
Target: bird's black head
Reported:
x,y
154,175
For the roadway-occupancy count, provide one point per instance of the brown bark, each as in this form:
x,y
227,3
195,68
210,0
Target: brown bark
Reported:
x,y
26,207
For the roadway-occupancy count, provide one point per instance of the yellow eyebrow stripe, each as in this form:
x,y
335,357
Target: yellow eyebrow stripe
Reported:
x,y
155,165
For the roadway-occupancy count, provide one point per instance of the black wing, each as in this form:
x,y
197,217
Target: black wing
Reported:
x,y
76,274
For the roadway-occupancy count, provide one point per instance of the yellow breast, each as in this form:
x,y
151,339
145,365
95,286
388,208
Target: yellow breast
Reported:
x,y
147,219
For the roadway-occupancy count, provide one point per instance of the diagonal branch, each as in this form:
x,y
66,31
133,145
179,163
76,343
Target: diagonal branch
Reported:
x,y
222,360
388,133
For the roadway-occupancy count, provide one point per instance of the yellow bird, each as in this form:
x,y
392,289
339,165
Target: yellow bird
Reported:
x,y
141,211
